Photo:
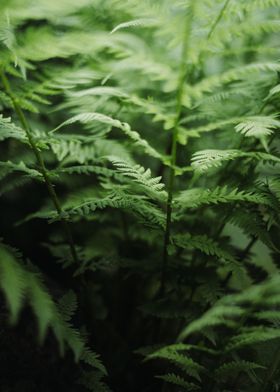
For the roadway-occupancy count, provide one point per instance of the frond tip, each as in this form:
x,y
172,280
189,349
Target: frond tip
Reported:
x,y
258,126
134,23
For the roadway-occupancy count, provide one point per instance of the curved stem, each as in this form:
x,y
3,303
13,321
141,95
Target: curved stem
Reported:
x,y
41,163
179,98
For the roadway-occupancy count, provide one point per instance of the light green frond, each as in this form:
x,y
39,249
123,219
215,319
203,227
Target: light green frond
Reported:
x,y
258,126
10,130
135,23
209,84
204,160
138,174
10,167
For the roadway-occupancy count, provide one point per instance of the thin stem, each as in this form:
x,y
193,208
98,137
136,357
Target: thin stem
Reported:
x,y
41,163
179,98
217,20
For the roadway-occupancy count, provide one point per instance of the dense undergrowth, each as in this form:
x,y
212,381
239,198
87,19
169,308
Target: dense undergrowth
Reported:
x,y
140,195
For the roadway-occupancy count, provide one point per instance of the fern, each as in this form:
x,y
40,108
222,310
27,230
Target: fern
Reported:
x,y
142,177
182,361
19,283
196,197
179,381
237,366
89,117
204,160
133,23
139,173
258,126
9,130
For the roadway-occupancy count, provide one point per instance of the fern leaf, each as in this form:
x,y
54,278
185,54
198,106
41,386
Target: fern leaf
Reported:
x,y
92,359
10,167
218,315
258,126
85,118
230,368
18,283
208,246
175,379
134,23
184,362
12,281
135,136
252,336
196,197
209,84
204,160
99,91
10,130
140,176
137,205
207,159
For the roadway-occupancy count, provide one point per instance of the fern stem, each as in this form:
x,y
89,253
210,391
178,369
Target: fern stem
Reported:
x,y
179,98
217,20
41,163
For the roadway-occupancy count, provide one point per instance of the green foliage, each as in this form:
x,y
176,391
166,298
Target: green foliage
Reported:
x,y
139,173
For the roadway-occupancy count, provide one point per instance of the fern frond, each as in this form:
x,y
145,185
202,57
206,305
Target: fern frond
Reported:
x,y
92,359
146,211
90,169
175,379
10,167
135,136
99,91
196,197
141,176
135,23
92,380
274,91
252,223
208,246
204,160
12,281
19,283
85,118
68,305
241,365
184,362
218,315
251,336
209,84
215,125
10,130
258,126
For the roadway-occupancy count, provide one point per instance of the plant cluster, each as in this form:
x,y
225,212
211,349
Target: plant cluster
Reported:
x,y
140,191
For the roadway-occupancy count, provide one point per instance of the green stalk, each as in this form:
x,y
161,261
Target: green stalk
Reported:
x,y
42,168
179,98
219,17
